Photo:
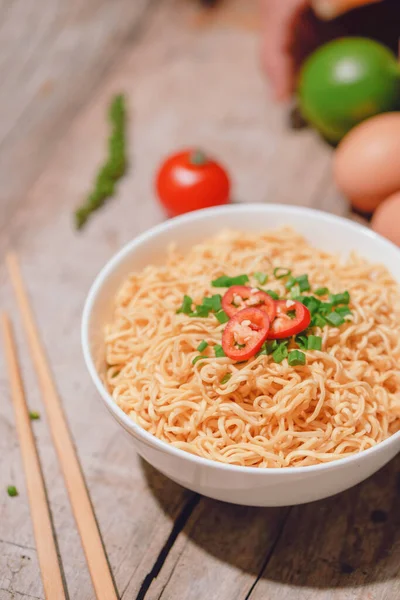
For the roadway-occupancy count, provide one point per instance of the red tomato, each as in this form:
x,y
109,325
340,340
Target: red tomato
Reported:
x,y
191,180
240,296
286,325
245,333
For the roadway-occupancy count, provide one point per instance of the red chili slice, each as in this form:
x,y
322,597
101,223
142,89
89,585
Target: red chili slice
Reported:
x,y
239,297
245,333
291,318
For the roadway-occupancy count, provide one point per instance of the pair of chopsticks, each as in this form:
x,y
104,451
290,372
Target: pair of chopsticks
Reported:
x,y
81,505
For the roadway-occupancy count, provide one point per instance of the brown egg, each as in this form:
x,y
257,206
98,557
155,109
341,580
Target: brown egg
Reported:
x,y
367,161
386,219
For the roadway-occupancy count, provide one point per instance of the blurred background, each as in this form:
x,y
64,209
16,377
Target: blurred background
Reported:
x,y
222,75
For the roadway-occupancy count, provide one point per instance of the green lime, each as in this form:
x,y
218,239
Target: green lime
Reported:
x,y
347,81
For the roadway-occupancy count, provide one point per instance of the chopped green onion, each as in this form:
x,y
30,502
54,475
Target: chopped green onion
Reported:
x,y
325,308
322,291
201,311
268,347
271,346
280,272
197,358
303,282
186,305
202,346
273,294
225,281
295,291
302,341
219,351
335,319
343,298
34,416
312,304
213,302
318,321
280,353
12,491
296,357
290,283
343,310
226,378
314,342
222,316
261,277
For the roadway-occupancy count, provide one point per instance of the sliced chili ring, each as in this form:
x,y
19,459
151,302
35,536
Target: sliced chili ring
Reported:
x,y
239,297
245,333
291,318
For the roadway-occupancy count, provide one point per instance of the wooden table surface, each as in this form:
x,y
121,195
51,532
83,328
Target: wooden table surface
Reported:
x,y
189,79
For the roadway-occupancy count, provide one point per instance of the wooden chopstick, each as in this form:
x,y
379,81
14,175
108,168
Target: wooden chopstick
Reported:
x,y
75,484
42,527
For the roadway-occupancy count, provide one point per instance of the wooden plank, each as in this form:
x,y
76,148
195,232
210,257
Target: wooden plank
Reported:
x,y
220,551
54,56
19,569
347,544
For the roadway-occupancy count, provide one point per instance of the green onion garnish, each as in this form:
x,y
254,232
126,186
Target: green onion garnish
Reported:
x,y
343,310
225,281
213,302
313,304
268,347
273,294
302,340
335,319
201,311
280,353
34,416
186,305
314,342
295,291
197,358
290,283
325,308
280,272
222,316
318,321
322,291
12,491
296,357
219,351
261,277
202,346
343,298
226,378
303,282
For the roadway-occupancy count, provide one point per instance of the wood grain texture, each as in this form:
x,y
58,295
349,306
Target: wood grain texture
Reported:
x,y
50,567
54,55
187,81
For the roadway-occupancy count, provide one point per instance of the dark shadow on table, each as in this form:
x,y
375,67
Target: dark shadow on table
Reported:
x,y
351,539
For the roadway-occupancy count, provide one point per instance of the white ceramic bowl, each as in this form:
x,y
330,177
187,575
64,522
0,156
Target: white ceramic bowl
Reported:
x,y
241,485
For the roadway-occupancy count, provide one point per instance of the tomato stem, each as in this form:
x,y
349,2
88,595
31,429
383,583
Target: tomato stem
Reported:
x,y
198,157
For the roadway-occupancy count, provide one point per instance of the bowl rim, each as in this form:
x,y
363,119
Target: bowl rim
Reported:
x,y
146,437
